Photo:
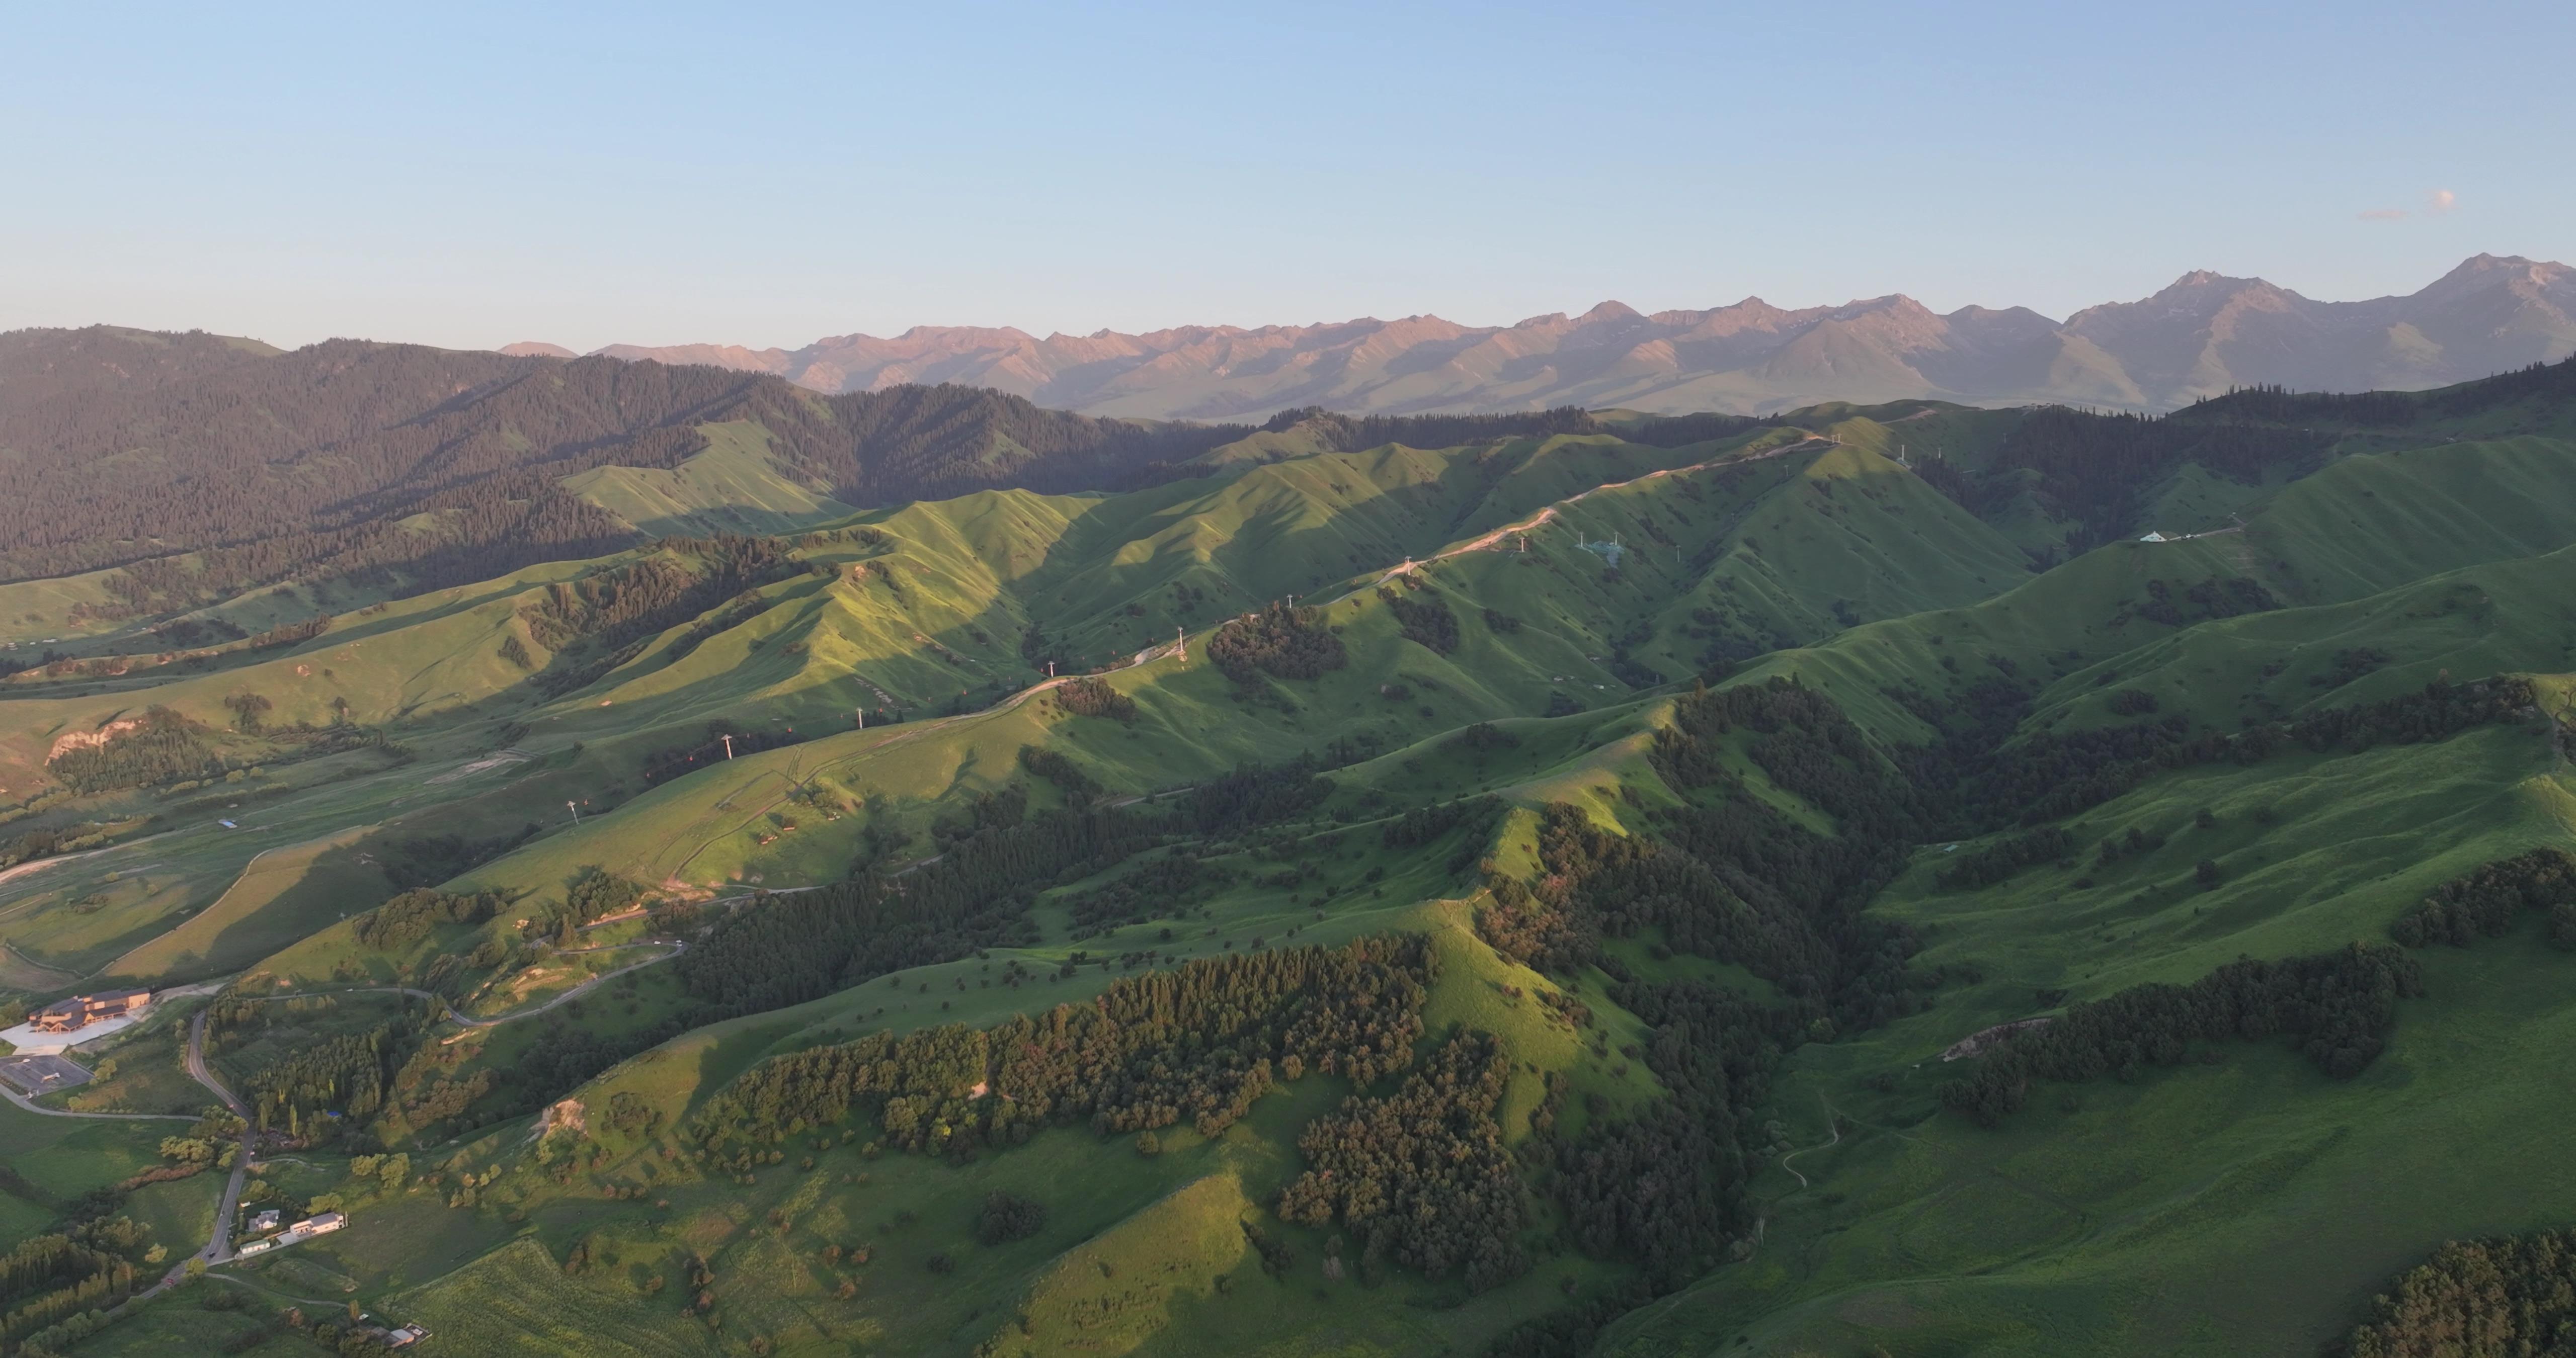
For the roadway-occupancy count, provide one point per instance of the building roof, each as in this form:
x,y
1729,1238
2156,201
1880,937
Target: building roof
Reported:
x,y
76,1003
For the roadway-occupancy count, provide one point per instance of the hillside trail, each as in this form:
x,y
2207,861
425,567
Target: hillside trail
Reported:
x,y
624,915
911,731
677,947
452,1014
1548,513
1832,1124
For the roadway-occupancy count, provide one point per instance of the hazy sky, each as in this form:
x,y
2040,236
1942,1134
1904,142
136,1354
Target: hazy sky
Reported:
x,y
470,175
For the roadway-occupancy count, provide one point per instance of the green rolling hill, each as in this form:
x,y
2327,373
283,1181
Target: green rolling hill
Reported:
x,y
1554,932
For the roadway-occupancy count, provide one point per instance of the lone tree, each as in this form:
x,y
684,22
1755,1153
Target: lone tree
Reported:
x,y
1008,1217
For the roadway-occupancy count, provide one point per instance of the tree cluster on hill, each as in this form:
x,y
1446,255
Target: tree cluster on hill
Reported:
x,y
2335,1008
790,949
1291,643
1165,885
408,918
1089,697
2000,860
1255,794
1198,1043
50,1279
291,633
1980,782
2094,468
161,747
1427,622
595,893
2208,600
2274,404
606,617
2504,1295
936,442
47,842
326,1085
1953,482
2552,384
1425,824
450,537
1079,788
1007,1217
1667,1185
1421,1175
1727,875
2485,901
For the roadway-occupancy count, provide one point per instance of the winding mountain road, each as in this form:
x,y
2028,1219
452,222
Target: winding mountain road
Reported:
x,y
219,1247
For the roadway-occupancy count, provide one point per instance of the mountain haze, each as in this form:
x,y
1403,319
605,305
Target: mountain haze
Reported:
x,y
2200,336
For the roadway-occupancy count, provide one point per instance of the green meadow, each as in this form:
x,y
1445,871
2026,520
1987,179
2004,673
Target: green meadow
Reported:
x,y
1520,630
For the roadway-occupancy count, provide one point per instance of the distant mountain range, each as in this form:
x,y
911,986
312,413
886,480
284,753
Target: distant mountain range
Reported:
x,y
2200,336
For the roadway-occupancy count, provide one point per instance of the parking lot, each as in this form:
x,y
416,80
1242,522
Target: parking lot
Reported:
x,y
34,1075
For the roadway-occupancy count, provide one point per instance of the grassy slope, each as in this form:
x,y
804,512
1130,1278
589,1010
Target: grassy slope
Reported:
x,y
2366,525
733,486
2247,1206
66,1157
1923,1235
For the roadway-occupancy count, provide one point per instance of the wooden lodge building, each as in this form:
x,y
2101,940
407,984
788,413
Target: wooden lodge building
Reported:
x,y
80,1011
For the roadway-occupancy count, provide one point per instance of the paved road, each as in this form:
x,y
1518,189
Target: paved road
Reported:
x,y
34,1107
219,1248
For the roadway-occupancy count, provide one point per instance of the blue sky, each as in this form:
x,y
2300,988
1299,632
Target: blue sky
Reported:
x,y
470,175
